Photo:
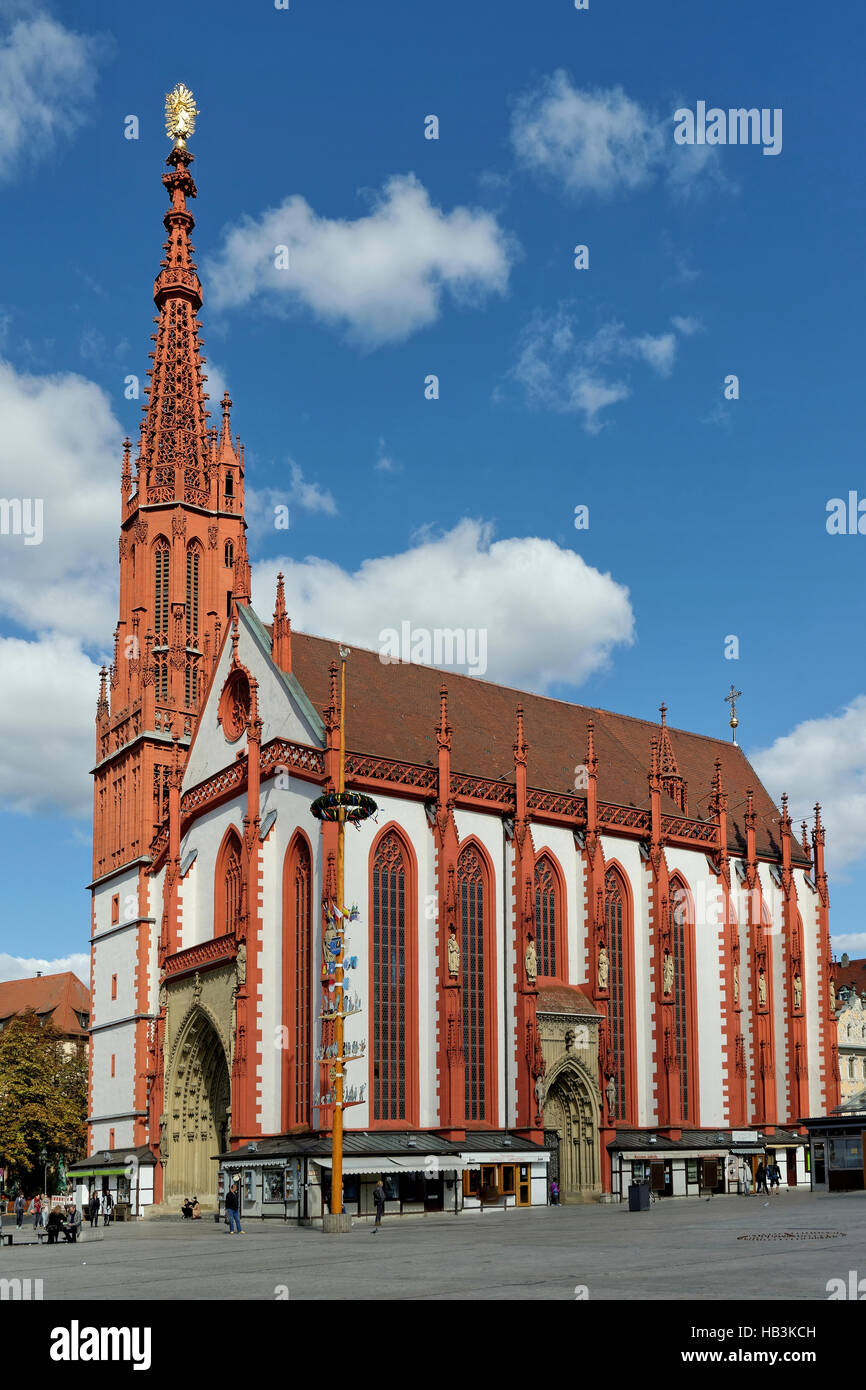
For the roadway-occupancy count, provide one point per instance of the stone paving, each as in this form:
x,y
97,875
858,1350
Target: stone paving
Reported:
x,y
726,1247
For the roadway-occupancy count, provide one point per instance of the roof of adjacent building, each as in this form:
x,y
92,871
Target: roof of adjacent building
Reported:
x,y
709,1139
854,973
382,1143
58,997
119,1158
565,999
393,709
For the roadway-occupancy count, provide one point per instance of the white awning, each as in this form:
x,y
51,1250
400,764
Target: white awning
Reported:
x,y
427,1164
506,1156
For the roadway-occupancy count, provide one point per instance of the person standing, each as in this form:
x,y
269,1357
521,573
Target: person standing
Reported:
x,y
107,1208
554,1193
761,1180
94,1208
19,1210
233,1210
775,1177
379,1203
37,1212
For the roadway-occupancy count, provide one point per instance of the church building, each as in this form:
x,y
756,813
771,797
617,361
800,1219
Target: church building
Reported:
x,y
585,948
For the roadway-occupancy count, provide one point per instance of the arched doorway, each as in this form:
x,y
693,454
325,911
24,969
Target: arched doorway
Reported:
x,y
199,1104
571,1113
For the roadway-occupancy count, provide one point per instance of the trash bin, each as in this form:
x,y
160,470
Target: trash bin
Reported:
x,y
638,1196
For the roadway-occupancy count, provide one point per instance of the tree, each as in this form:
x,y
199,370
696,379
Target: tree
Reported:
x,y
43,1098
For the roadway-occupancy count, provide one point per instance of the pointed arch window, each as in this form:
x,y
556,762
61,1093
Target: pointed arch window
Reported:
x,y
297,983
549,920
227,894
191,684
161,580
160,679
393,984
682,935
618,928
229,555
193,570
477,969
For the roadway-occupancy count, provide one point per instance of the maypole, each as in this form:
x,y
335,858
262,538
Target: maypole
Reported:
x,y
340,806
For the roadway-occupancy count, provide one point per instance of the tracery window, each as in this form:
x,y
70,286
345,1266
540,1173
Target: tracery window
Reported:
x,y
162,569
297,979
547,915
680,941
193,566
390,983
227,897
618,1003
472,892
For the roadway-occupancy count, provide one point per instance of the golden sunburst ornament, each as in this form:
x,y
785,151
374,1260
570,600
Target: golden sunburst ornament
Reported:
x,y
180,114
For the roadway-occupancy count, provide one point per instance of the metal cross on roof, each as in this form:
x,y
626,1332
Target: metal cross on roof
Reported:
x,y
731,699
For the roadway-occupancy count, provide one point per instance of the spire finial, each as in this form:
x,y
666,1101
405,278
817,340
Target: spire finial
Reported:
x,y
731,699
663,710
443,729
180,114
280,610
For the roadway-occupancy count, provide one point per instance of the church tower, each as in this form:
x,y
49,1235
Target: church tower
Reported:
x,y
183,563
182,526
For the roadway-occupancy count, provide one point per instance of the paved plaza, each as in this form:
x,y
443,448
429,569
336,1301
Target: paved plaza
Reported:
x,y
679,1249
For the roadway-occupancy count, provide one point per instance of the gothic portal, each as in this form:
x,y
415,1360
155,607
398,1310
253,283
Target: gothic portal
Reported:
x,y
199,1100
571,1114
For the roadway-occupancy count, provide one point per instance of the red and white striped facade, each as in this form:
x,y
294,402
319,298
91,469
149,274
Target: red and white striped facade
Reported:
x,y
701,939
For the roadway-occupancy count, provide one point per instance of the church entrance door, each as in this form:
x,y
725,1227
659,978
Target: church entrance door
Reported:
x,y
197,1105
570,1115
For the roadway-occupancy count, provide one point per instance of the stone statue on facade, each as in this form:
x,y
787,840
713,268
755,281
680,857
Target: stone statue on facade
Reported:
x,y
798,991
610,1091
736,983
833,996
241,965
531,962
762,988
668,972
453,954
603,967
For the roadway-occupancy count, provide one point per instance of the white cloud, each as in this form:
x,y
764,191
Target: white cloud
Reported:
x,y
261,504
23,967
61,443
384,463
47,79
601,141
47,729
558,371
382,276
549,616
687,325
824,760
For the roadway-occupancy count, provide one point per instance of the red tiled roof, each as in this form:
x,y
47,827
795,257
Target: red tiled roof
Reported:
x,y
59,996
565,999
392,712
854,973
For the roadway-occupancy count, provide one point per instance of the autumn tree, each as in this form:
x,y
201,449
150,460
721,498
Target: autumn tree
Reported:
x,y
43,1099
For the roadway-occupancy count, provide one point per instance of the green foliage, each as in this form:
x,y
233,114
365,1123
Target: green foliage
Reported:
x,y
43,1099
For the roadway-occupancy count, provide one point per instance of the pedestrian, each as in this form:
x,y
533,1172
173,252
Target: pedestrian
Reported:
x,y
775,1177
107,1208
379,1203
37,1212
94,1208
233,1209
554,1193
19,1210
761,1180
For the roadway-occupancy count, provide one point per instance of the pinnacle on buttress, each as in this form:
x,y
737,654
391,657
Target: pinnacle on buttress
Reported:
x,y
241,590
281,644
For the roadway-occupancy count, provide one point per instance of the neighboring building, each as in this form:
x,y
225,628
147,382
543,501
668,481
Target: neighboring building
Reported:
x,y
838,1144
551,967
851,1028
59,999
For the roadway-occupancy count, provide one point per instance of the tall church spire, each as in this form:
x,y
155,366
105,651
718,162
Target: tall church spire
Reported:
x,y
175,442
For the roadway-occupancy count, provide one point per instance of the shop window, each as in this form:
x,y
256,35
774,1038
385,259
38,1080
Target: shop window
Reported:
x,y
411,1187
506,1179
392,1190
847,1152
471,1182
691,1170
351,1188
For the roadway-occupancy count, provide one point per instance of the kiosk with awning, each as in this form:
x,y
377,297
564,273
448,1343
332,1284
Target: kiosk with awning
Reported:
x,y
126,1173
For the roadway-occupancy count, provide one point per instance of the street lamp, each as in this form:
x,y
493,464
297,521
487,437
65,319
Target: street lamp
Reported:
x,y
43,1159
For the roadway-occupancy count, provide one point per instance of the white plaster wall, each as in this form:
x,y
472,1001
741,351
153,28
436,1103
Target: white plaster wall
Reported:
x,y
627,855
490,832
710,995
114,1095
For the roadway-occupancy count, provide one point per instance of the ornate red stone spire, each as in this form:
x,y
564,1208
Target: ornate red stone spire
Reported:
x,y
670,773
241,591
281,645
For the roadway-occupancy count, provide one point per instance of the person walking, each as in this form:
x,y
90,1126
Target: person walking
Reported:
x,y
761,1180
19,1210
379,1203
233,1203
94,1208
37,1212
107,1208
554,1193
775,1177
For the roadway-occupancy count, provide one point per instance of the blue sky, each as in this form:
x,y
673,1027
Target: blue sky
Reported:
x,y
409,256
